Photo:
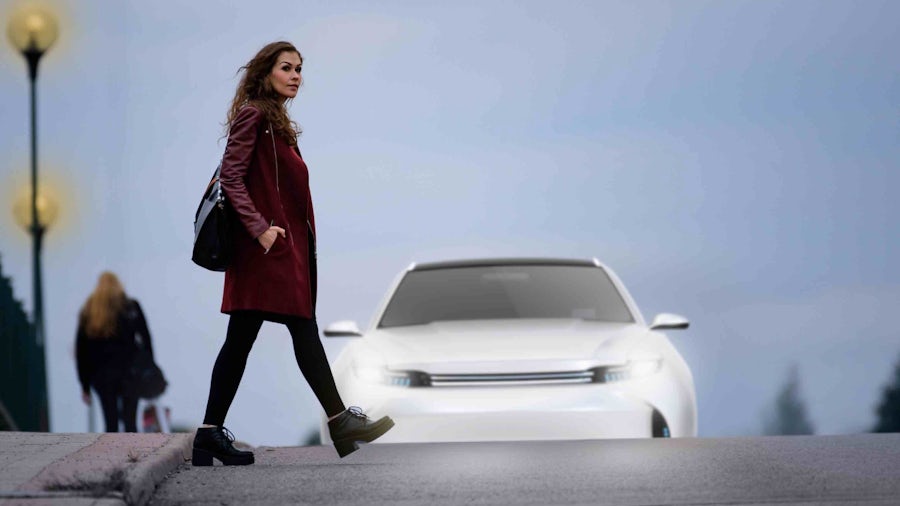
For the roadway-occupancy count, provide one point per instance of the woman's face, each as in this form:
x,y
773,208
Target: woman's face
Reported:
x,y
285,74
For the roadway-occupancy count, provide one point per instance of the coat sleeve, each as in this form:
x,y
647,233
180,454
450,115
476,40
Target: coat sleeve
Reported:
x,y
82,358
236,162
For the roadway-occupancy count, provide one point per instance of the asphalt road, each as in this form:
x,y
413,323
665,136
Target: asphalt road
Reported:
x,y
858,469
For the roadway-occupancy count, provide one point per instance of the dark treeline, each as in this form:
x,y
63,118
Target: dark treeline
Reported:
x,y
788,414
888,410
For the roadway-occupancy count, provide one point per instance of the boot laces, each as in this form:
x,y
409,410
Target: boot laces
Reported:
x,y
357,412
227,434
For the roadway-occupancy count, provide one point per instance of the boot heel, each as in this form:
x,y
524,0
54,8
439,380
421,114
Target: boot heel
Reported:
x,y
345,448
201,458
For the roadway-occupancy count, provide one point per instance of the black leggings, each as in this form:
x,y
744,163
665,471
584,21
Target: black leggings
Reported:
x,y
116,406
243,327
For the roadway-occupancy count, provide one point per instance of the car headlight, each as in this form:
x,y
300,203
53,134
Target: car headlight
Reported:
x,y
632,370
385,376
407,378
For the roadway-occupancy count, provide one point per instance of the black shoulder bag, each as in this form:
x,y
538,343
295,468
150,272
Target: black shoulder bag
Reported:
x,y
212,229
212,232
143,379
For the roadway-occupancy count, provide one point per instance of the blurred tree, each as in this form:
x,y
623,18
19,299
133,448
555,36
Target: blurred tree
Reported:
x,y
6,421
312,439
889,410
789,413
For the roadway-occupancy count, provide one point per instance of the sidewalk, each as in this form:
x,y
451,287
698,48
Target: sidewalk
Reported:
x,y
38,468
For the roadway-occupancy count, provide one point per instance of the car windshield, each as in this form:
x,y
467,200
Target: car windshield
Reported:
x,y
502,292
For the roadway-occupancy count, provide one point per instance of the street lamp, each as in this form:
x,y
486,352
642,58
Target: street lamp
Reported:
x,y
32,30
47,209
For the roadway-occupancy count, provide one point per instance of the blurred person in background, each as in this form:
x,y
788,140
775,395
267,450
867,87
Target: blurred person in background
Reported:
x,y
272,272
105,347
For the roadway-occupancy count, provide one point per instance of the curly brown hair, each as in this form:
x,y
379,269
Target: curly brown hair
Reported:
x,y
255,89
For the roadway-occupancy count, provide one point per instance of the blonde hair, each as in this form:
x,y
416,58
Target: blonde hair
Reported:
x,y
100,313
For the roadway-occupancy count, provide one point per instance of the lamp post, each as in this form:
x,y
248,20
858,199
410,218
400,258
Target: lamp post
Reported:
x,y
32,30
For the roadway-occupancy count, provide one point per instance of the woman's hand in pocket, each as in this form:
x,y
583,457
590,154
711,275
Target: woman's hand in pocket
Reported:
x,y
267,238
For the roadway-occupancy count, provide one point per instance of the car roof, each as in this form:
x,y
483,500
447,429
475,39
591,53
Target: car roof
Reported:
x,y
493,262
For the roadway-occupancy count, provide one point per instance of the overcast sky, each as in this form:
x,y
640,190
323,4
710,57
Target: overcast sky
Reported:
x,y
733,161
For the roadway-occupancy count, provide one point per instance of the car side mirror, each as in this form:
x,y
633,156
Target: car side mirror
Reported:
x,y
669,321
343,328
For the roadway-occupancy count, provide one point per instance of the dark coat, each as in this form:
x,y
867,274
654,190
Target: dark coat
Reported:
x,y
102,361
282,281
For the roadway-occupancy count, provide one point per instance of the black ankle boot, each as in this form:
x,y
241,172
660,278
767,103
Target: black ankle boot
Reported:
x,y
216,442
352,426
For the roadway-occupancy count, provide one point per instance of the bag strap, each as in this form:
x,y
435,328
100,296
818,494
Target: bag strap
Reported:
x,y
215,177
132,316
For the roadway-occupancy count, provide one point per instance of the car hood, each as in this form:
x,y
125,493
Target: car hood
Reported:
x,y
505,345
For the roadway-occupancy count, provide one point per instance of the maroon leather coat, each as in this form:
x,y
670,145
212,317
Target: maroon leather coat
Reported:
x,y
282,281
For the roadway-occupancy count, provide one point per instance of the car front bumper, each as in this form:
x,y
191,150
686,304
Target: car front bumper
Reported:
x,y
505,413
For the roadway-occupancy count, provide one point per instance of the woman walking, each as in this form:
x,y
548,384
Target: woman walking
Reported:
x,y
105,346
272,274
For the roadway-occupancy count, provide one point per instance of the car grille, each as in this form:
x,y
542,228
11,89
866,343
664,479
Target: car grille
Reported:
x,y
538,378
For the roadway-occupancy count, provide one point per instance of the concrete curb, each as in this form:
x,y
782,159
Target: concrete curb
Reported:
x,y
114,468
142,479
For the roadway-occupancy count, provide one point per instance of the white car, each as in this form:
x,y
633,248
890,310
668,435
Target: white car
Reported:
x,y
515,349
